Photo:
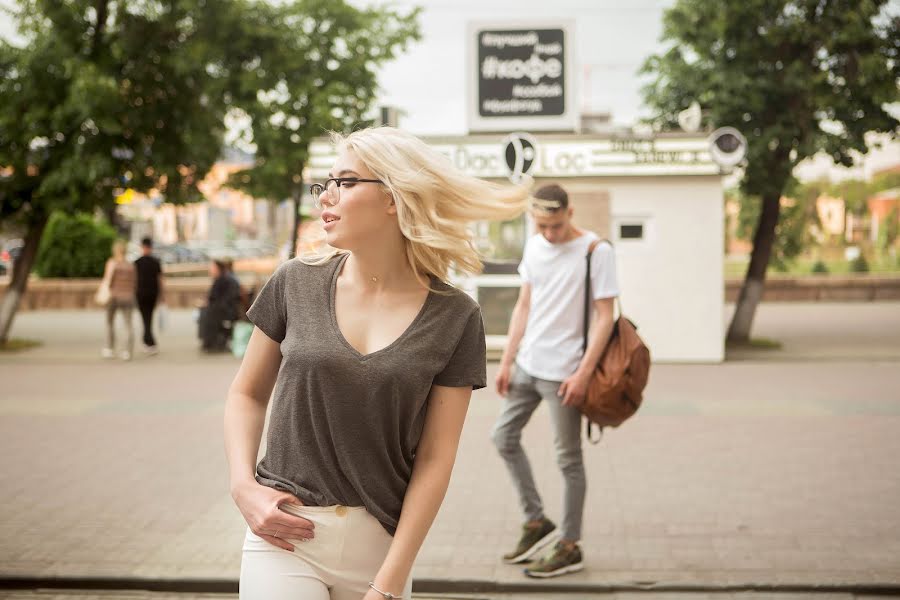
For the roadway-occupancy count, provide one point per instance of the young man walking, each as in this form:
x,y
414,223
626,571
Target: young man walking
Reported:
x,y
545,342
148,291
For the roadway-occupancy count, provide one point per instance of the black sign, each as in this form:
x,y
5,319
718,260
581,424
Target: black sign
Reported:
x,y
521,73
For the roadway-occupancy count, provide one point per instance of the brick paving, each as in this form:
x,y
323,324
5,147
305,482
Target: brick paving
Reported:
x,y
775,469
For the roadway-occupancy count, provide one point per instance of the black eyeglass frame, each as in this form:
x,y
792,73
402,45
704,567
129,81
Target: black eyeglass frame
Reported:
x,y
316,189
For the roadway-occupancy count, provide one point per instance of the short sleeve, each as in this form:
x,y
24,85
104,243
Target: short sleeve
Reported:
x,y
603,272
268,311
468,364
523,268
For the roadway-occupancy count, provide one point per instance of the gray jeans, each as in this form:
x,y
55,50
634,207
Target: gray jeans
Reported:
x,y
524,396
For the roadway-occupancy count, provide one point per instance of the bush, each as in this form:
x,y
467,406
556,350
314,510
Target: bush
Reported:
x,y
819,267
859,264
74,246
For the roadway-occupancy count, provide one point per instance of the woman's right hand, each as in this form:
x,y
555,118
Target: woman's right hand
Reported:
x,y
260,506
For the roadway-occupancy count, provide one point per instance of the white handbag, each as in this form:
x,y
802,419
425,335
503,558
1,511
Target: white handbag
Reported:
x,y
102,296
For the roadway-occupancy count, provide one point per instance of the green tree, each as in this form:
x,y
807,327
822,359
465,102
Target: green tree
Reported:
x,y
105,94
887,180
890,229
798,217
309,67
795,76
74,246
855,193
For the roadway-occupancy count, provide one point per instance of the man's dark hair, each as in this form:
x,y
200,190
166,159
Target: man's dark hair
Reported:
x,y
147,242
551,198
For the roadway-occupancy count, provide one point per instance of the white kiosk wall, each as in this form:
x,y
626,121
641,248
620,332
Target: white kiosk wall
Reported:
x,y
672,278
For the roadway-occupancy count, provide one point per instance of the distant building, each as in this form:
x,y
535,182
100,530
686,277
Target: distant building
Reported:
x,y
832,215
883,206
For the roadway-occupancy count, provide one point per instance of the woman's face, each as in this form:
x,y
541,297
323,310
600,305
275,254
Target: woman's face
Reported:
x,y
364,212
214,270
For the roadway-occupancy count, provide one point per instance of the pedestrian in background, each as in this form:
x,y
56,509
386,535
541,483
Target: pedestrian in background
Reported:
x,y
149,290
550,366
119,275
217,317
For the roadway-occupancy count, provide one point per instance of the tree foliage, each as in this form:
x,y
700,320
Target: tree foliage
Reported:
x,y
795,76
108,94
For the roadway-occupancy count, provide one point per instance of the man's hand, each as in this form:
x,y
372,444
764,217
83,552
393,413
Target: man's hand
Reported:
x,y
502,379
573,389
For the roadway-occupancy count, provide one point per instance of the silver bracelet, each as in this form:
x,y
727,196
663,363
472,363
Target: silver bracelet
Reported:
x,y
385,595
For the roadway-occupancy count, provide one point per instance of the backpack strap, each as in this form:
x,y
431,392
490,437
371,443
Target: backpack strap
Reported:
x,y
589,432
587,315
587,294
588,425
587,299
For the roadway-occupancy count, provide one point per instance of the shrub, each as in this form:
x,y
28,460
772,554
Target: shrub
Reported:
x,y
74,246
859,264
819,267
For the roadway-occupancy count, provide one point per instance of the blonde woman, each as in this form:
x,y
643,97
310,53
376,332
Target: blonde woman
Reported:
x,y
373,358
120,277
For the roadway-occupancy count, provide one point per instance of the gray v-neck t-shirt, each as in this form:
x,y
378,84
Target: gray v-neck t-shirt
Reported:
x,y
344,427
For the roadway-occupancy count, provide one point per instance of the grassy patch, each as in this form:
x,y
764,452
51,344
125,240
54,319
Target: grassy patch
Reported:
x,y
736,268
757,344
19,344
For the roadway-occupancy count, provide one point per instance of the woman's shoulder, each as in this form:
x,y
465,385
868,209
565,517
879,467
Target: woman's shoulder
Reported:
x,y
306,267
453,298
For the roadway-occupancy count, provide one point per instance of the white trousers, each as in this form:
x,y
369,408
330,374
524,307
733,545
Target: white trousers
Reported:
x,y
337,564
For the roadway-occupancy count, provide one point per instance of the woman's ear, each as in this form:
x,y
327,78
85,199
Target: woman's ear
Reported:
x,y
391,206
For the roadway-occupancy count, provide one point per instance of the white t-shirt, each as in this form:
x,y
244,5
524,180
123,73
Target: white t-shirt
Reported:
x,y
552,346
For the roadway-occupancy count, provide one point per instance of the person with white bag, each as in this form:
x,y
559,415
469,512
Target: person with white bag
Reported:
x,y
117,289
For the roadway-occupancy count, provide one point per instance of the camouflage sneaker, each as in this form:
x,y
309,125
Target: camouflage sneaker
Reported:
x,y
534,539
558,562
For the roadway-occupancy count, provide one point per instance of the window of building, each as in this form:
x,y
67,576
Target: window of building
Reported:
x,y
631,231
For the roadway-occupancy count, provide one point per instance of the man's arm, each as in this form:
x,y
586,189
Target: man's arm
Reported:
x,y
574,387
161,298
517,324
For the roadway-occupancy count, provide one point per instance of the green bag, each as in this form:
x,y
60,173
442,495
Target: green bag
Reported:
x,y
240,337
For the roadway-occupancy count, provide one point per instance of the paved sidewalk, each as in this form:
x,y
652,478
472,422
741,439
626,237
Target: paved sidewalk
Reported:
x,y
765,471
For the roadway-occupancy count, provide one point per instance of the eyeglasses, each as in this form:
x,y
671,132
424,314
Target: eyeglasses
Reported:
x,y
333,188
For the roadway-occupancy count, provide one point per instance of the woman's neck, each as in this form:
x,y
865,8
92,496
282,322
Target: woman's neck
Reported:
x,y
386,268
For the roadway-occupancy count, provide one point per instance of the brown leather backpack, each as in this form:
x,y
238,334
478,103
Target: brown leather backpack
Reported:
x,y
615,390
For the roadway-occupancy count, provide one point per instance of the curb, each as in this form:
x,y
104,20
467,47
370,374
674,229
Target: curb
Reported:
x,y
444,586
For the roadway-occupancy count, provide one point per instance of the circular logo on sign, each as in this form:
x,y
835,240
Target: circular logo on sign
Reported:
x,y
520,151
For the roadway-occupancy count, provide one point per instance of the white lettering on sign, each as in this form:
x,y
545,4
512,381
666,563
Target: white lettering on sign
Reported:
x,y
549,49
502,40
537,91
513,106
645,152
665,156
535,68
562,162
471,160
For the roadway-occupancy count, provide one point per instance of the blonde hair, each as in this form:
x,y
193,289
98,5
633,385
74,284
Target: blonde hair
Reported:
x,y
435,201
118,250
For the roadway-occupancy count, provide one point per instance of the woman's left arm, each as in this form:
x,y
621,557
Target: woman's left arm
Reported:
x,y
435,456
